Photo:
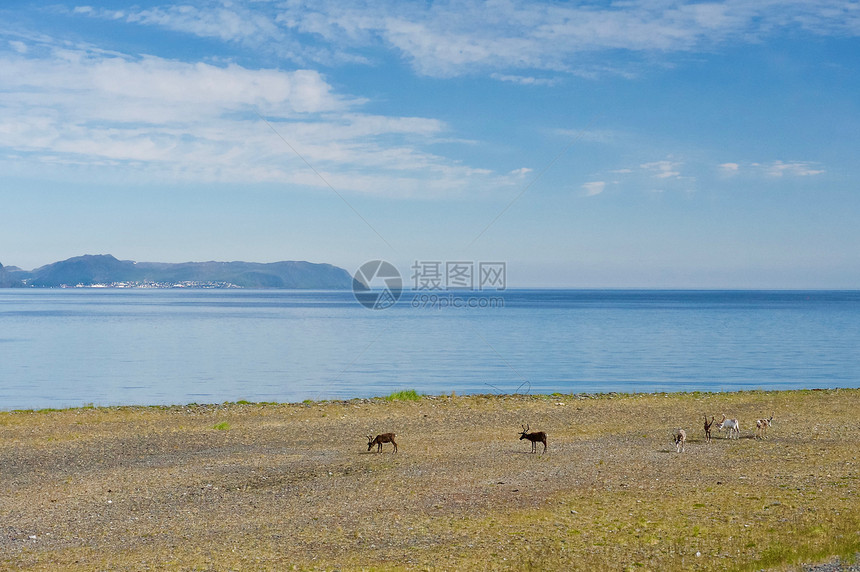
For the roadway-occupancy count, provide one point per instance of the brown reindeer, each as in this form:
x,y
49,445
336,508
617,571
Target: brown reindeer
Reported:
x,y
708,428
537,436
379,440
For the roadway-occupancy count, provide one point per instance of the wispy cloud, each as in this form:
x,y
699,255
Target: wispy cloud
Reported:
x,y
792,168
773,169
259,26
495,36
672,174
18,46
665,169
593,188
525,80
228,22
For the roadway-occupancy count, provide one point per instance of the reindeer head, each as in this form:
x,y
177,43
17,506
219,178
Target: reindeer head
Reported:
x,y
524,432
370,442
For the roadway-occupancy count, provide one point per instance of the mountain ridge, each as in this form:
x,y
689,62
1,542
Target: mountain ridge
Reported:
x,y
103,270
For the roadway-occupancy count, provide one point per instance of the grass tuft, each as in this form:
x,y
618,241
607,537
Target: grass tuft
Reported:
x,y
404,395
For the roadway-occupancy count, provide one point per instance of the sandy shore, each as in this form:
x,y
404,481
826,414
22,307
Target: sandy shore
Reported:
x,y
270,486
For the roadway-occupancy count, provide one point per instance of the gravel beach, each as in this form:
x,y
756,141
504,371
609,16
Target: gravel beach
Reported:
x,y
292,486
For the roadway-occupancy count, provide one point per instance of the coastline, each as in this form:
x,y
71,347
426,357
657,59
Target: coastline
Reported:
x,y
272,486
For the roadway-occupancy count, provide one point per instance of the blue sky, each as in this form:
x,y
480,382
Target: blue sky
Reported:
x,y
585,144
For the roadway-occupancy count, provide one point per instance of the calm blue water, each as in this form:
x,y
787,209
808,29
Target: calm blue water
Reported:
x,y
62,348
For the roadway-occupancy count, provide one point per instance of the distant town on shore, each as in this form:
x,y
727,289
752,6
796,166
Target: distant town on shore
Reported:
x,y
106,271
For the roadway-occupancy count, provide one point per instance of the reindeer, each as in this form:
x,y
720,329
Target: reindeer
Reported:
x,y
708,428
761,426
537,436
379,440
680,440
731,426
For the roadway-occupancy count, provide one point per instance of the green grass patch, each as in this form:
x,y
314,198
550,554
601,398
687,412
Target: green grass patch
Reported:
x,y
404,395
223,426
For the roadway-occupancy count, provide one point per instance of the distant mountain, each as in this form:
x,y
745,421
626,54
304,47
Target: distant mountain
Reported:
x,y
7,277
105,270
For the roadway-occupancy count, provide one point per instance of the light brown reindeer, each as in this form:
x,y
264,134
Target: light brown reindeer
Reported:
x,y
535,437
379,440
708,428
680,440
761,426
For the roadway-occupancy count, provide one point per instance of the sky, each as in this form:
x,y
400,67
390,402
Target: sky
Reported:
x,y
627,144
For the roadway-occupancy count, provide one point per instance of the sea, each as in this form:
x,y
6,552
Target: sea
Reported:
x,y
92,346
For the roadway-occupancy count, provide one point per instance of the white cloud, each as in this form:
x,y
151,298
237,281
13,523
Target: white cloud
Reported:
x,y
521,172
168,82
665,169
775,169
447,39
164,119
594,188
524,80
228,22
792,168
18,46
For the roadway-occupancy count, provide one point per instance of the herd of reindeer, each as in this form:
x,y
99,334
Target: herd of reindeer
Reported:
x,y
732,428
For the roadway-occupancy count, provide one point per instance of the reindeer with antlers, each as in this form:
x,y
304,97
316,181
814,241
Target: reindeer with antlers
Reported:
x,y
708,428
379,440
535,438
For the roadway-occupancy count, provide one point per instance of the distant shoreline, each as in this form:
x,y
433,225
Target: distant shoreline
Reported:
x,y
419,396
106,271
